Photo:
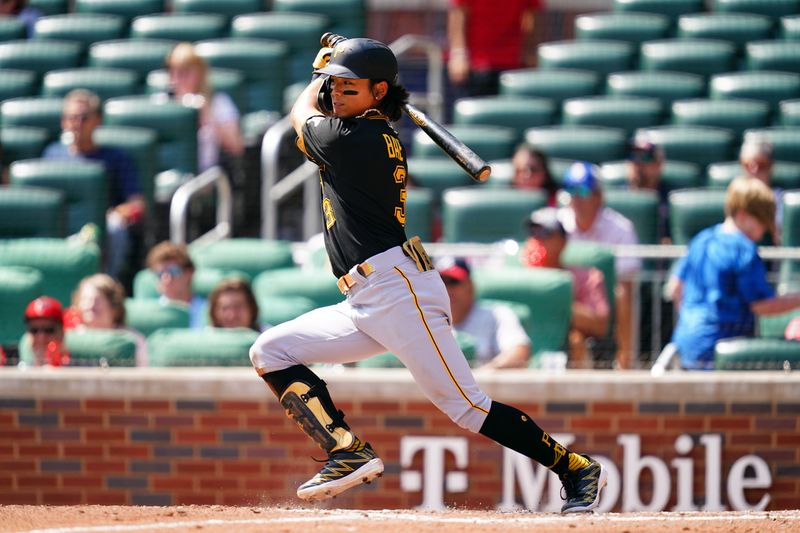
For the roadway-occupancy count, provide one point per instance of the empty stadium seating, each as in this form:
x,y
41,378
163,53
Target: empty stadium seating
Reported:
x,y
693,210
789,280
555,84
40,55
148,315
105,82
419,213
785,141
169,347
640,207
82,28
671,8
15,83
11,29
32,212
319,286
479,214
734,114
695,144
768,86
773,55
489,142
437,174
36,112
590,143
736,28
274,310
22,142
755,354
626,112
772,8
516,113
664,85
696,56
127,9
622,26
228,8
601,56
180,26
251,256
347,17
785,175
790,27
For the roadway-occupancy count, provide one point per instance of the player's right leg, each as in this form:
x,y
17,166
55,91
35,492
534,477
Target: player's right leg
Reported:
x,y
280,356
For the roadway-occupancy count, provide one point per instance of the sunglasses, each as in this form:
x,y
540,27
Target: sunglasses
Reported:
x,y
581,191
48,330
78,117
174,271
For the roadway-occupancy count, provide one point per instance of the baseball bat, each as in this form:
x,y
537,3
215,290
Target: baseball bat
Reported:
x,y
462,154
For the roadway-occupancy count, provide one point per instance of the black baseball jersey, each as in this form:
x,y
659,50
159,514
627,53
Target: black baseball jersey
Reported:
x,y
363,177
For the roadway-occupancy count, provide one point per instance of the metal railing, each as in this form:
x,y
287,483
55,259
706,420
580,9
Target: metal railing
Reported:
x,y
275,189
179,206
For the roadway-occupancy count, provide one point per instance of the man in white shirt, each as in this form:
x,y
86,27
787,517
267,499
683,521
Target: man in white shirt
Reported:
x,y
500,340
588,219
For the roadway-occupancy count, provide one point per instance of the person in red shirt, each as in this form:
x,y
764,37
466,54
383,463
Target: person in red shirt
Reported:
x,y
485,37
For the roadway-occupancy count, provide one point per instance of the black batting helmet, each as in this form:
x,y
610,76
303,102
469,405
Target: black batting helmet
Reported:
x,y
362,58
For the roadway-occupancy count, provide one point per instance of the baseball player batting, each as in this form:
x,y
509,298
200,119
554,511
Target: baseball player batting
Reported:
x,y
395,300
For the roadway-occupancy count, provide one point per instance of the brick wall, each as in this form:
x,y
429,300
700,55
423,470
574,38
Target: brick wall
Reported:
x,y
217,436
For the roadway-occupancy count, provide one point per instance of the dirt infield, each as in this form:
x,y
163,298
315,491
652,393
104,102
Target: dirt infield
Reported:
x,y
218,519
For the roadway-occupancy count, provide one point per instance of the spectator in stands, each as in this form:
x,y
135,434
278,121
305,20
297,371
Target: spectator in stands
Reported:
x,y
174,268
24,13
531,171
484,39
590,310
588,219
500,339
44,320
99,303
218,131
232,304
721,284
80,118
644,165
756,159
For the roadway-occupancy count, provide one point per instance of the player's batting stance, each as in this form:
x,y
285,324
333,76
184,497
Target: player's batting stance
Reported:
x,y
395,300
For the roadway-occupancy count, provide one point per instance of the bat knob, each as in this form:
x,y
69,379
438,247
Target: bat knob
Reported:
x,y
484,173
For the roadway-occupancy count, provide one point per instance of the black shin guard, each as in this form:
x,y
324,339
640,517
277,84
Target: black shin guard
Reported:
x,y
307,401
515,430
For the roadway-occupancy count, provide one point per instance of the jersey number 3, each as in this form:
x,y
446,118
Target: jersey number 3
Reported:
x,y
395,151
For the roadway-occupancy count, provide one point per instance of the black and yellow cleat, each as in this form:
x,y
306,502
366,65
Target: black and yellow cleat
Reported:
x,y
342,471
583,487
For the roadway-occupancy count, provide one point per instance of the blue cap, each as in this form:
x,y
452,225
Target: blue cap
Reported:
x,y
582,178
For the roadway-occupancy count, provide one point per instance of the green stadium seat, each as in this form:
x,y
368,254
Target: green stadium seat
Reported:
x,y
148,315
485,215
226,80
437,174
790,28
263,62
419,213
175,124
674,174
21,142
701,145
18,286
603,57
39,56
347,17
546,292
553,84
789,277
626,112
640,207
785,174
140,144
789,113
82,28
489,142
773,55
319,285
516,113
666,86
502,174
774,326
785,141
300,31
180,26
63,263
127,9
12,29
622,26
93,347
50,7
32,212
768,86
248,255
145,282
589,143
695,56
16,83
770,8
274,310
104,82
138,55
670,8
228,8
35,112
735,114
736,28
83,183
693,210
742,353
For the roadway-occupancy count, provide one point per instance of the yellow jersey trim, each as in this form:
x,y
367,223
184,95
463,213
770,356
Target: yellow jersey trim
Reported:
x,y
436,346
